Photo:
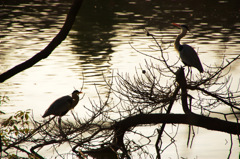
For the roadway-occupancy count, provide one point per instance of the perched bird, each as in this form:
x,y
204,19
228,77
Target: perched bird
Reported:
x,y
62,105
187,54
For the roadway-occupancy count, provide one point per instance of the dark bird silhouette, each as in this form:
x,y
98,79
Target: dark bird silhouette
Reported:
x,y
187,54
62,105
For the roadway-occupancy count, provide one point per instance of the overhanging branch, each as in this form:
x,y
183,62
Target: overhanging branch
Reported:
x,y
191,119
51,46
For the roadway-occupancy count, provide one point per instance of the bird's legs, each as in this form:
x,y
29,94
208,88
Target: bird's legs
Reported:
x,y
189,72
60,127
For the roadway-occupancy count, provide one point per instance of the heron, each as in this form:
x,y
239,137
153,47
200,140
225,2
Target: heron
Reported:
x,y
63,104
187,54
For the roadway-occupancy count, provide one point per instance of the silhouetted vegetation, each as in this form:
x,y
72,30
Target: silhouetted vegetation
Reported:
x,y
144,99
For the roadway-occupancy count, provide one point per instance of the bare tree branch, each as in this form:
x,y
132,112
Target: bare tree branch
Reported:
x,y
51,46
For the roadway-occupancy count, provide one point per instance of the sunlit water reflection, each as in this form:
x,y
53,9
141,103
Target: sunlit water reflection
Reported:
x,y
101,43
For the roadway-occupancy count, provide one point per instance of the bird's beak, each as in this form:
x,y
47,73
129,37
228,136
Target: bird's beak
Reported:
x,y
177,25
79,92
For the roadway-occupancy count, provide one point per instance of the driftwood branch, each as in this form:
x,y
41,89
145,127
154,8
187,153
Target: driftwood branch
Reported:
x,y
51,46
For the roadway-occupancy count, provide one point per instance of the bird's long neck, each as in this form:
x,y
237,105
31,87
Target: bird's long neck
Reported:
x,y
75,98
179,37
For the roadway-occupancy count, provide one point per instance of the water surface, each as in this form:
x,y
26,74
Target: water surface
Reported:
x,y
99,44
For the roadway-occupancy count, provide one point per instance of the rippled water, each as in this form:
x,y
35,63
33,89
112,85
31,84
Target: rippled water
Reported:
x,y
99,43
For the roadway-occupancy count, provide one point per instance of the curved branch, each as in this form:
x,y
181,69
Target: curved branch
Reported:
x,y
41,145
51,46
192,119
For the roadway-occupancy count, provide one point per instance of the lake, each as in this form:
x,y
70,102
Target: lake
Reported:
x,y
102,43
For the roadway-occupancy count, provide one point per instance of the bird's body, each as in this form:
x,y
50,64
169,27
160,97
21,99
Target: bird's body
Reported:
x,y
62,105
187,54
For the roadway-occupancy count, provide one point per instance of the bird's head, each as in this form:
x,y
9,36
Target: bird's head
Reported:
x,y
76,92
181,26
